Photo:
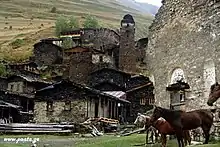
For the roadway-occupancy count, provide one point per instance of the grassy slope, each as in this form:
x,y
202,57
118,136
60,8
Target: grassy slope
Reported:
x,y
27,17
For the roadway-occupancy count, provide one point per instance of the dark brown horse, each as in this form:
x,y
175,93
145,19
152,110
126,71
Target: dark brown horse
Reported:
x,y
214,94
181,121
163,127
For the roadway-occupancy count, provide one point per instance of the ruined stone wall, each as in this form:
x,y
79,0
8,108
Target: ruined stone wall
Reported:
x,y
102,39
186,35
77,114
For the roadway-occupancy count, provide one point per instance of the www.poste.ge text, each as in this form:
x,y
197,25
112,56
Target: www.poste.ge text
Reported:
x,y
17,140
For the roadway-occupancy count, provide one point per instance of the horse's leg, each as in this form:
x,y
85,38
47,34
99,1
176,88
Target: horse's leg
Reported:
x,y
178,140
146,137
179,135
185,138
189,137
206,129
156,136
163,140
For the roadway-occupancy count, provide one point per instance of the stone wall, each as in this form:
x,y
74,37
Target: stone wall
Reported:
x,y
185,35
80,66
47,54
77,114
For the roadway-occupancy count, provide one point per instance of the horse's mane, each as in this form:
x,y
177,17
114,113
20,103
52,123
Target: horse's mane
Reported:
x,y
171,110
212,87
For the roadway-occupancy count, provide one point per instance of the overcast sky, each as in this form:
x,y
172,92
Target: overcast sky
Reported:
x,y
153,2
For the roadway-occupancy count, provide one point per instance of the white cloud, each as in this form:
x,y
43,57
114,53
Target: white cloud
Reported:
x,y
153,2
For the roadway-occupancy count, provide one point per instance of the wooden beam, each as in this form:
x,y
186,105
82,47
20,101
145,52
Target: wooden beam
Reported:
x,y
142,86
133,132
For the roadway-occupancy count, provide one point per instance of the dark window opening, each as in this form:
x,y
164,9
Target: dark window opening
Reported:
x,y
100,59
182,96
96,108
113,110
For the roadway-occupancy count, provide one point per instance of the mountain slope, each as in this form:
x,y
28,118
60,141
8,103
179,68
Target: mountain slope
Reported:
x,y
32,20
142,7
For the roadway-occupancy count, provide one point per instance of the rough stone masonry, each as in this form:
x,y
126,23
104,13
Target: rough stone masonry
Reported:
x,y
185,36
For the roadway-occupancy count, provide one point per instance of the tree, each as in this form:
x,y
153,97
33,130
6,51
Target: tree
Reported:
x,y
65,24
61,25
91,22
53,10
73,23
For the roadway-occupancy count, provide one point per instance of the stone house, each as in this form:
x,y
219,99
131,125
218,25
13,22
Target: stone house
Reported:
x,y
68,101
19,90
46,53
83,61
184,46
138,89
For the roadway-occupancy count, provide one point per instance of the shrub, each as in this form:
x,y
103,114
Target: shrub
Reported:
x,y
53,10
65,24
17,43
3,71
91,22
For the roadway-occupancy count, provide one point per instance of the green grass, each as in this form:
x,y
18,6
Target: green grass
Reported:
x,y
105,141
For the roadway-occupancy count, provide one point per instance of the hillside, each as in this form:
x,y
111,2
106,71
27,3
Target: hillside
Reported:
x,y
142,7
32,20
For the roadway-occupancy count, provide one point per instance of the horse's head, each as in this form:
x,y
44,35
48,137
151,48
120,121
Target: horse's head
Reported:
x,y
214,94
141,119
157,113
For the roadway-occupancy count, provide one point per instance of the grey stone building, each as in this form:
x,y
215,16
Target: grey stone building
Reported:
x,y
184,45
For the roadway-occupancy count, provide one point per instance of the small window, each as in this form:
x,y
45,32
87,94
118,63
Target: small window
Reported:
x,y
142,101
10,87
100,59
49,106
182,96
67,105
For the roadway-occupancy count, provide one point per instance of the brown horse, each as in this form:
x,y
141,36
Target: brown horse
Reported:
x,y
163,127
214,94
181,121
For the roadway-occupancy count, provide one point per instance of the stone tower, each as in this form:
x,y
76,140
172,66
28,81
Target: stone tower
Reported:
x,y
127,55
